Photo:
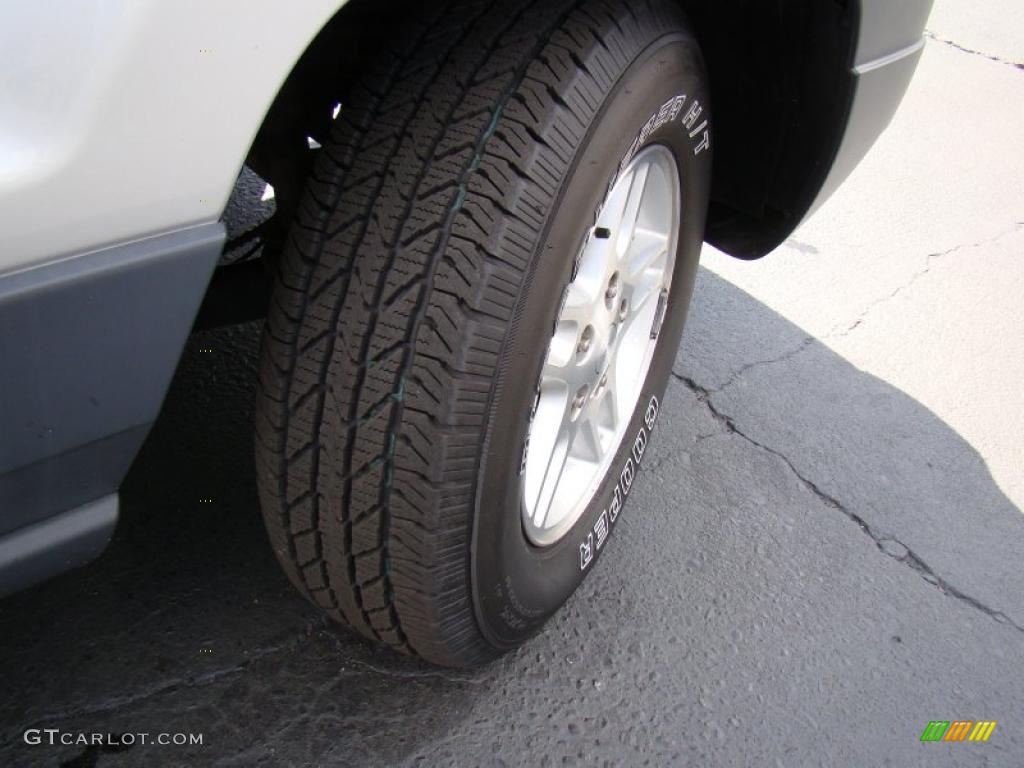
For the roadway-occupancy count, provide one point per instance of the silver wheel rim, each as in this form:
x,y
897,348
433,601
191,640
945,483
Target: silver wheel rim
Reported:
x,y
601,350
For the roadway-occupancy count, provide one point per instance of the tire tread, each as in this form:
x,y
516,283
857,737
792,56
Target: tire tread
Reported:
x,y
397,290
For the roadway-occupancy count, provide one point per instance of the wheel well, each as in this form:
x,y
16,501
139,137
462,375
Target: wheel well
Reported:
x,y
781,85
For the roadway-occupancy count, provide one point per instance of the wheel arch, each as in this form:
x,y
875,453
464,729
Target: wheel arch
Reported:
x,y
304,105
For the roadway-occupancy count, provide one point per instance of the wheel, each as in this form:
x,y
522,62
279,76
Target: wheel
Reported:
x,y
477,313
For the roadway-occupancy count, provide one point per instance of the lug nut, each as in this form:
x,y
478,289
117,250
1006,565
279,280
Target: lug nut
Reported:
x,y
586,338
612,291
579,400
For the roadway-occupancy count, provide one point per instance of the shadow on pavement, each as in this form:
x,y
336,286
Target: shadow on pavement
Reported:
x,y
782,476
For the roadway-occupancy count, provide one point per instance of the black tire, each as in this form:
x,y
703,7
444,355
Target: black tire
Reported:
x,y
418,293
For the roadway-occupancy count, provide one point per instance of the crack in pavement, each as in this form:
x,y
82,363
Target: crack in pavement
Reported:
x,y
953,44
115,703
789,355
929,261
838,331
888,545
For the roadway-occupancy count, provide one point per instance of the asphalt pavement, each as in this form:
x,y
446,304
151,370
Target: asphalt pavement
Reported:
x,y
823,555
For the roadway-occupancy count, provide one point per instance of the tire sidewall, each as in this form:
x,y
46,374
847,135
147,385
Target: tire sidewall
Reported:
x,y
516,585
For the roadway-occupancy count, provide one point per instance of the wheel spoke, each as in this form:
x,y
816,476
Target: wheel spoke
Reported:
x,y
610,402
562,351
570,378
586,441
548,421
549,483
647,251
614,208
639,295
631,212
587,287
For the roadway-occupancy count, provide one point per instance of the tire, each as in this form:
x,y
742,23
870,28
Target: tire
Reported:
x,y
417,297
